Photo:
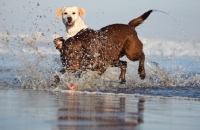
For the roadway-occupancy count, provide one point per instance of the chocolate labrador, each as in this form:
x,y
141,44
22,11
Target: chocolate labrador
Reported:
x,y
97,50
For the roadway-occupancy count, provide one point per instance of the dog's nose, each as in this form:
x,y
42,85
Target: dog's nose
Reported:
x,y
69,19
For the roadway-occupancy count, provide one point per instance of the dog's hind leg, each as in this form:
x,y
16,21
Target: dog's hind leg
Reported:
x,y
141,69
134,52
122,65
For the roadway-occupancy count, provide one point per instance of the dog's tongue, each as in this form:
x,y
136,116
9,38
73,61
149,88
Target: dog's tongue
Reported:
x,y
70,24
72,87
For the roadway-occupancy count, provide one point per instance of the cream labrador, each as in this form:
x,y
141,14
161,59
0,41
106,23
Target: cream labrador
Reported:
x,y
71,16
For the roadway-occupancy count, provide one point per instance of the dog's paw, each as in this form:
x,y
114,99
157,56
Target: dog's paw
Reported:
x,y
142,74
123,81
56,79
62,71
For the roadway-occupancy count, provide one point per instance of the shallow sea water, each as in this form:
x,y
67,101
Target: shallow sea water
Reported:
x,y
168,98
27,109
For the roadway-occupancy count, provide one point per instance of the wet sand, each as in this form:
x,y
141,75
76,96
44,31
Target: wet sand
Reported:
x,y
42,110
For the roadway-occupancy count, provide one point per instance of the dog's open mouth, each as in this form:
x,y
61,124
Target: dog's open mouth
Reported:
x,y
70,23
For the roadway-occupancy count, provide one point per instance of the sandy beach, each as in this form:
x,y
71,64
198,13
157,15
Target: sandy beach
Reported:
x,y
42,110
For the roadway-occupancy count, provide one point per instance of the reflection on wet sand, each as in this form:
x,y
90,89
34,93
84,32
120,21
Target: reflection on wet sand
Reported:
x,y
97,112
39,110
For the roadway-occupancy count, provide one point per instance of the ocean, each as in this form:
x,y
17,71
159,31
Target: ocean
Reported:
x,y
168,98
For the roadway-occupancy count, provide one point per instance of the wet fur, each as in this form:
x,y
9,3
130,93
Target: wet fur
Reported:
x,y
96,50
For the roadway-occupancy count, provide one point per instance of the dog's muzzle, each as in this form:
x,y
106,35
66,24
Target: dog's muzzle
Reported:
x,y
69,21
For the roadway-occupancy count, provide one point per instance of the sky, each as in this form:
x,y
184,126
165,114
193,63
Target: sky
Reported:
x,y
31,17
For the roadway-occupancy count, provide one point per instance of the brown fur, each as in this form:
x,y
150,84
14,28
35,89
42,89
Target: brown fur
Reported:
x,y
96,50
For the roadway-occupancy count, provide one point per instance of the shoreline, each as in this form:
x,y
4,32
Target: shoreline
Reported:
x,y
93,110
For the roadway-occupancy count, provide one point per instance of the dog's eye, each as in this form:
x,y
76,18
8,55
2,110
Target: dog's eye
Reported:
x,y
65,13
73,13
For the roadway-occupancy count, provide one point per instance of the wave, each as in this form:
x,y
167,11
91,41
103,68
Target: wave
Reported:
x,y
44,43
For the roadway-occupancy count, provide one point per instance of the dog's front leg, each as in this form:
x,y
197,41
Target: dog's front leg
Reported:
x,y
56,79
62,71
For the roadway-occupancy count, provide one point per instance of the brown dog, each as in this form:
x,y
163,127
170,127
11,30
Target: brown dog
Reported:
x,y
96,50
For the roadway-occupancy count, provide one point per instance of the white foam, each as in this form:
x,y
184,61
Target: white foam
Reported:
x,y
128,95
170,48
158,47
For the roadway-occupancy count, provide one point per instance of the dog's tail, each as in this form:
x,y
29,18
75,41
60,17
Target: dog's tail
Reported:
x,y
135,22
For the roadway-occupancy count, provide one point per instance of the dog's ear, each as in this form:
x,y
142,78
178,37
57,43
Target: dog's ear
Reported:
x,y
58,13
81,12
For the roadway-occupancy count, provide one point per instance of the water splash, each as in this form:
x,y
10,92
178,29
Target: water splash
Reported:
x,y
155,10
177,23
27,66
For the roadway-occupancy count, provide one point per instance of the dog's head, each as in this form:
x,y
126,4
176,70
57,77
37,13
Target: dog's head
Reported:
x,y
58,42
70,14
